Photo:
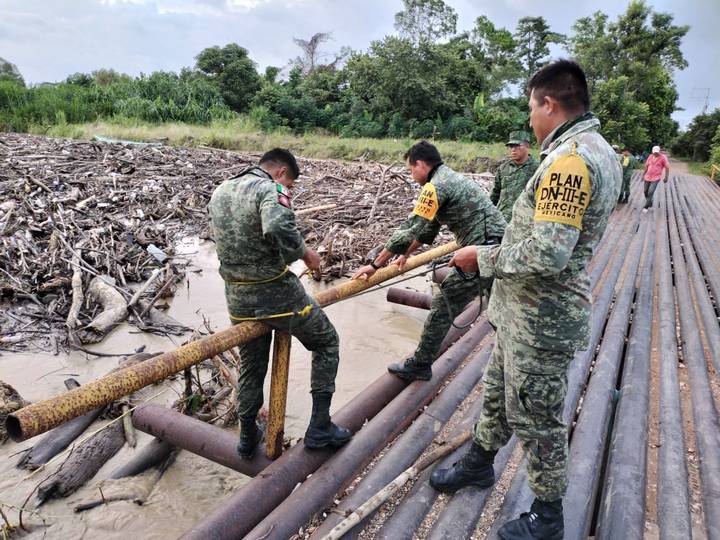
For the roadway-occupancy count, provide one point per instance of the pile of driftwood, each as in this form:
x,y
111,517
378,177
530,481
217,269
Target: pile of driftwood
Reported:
x,y
88,229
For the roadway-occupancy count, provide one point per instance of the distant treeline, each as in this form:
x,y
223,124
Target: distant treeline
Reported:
x,y
427,80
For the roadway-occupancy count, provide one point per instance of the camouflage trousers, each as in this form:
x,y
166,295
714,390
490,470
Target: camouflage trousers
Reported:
x,y
314,331
625,189
454,296
524,393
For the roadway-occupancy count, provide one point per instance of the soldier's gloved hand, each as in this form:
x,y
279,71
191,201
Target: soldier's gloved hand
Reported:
x,y
364,272
465,259
311,259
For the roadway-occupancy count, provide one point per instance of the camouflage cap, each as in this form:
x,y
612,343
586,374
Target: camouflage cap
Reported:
x,y
518,137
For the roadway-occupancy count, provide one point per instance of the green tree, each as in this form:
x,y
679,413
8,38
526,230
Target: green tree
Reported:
x,y
533,37
10,72
230,69
420,82
624,119
643,48
698,140
425,20
497,52
107,77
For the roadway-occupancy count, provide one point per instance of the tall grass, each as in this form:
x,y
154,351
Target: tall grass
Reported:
x,y
243,135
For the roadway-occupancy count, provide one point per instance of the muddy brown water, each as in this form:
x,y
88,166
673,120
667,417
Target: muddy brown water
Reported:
x,y
372,332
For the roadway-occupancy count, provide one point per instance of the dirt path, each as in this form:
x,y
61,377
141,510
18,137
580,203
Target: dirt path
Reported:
x,y
678,167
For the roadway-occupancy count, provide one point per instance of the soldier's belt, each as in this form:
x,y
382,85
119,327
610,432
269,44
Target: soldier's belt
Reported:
x,y
281,274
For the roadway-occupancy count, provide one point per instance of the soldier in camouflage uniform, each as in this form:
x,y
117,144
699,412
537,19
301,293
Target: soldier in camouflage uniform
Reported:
x,y
446,198
540,302
257,238
513,174
628,162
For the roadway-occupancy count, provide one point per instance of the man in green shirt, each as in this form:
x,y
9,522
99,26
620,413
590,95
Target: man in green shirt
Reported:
x,y
513,174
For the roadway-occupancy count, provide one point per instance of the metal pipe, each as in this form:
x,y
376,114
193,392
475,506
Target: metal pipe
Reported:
x,y
44,415
704,414
318,490
520,496
412,443
590,436
408,516
196,436
248,506
673,499
461,514
440,274
697,277
406,297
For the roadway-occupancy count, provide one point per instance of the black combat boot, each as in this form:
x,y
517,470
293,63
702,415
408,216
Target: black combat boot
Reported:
x,y
544,521
410,371
322,432
250,435
474,469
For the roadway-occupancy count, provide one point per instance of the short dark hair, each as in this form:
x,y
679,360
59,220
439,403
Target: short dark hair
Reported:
x,y
424,151
280,157
563,80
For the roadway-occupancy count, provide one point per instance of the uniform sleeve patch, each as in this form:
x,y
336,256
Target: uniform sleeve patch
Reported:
x,y
427,205
564,192
283,196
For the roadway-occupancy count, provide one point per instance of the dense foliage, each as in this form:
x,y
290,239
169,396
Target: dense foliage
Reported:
x,y
702,135
428,80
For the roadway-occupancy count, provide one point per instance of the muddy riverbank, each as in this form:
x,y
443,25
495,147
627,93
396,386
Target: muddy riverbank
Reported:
x,y
192,486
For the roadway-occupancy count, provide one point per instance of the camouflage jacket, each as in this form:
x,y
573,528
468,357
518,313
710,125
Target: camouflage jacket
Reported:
x,y
254,227
449,198
628,166
541,296
510,180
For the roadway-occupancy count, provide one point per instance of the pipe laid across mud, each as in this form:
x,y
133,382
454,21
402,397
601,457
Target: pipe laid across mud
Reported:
x,y
44,415
251,504
196,436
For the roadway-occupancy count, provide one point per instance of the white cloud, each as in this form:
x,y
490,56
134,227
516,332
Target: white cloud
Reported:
x,y
120,2
245,5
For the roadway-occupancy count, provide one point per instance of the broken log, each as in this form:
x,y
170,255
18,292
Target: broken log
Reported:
x,y
113,313
152,454
83,463
59,438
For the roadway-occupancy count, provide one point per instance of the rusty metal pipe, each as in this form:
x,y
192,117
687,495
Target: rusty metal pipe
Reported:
x,y
249,506
195,436
440,274
44,415
406,297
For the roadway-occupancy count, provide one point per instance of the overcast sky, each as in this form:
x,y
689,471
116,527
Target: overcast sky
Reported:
x,y
50,39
